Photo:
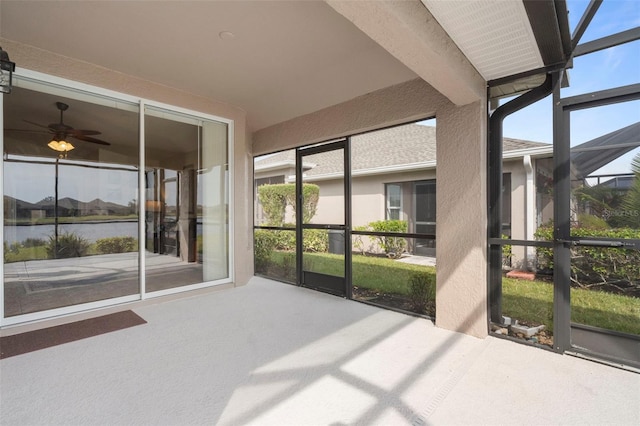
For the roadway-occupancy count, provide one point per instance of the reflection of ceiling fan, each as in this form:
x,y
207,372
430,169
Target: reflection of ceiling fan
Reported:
x,y
61,132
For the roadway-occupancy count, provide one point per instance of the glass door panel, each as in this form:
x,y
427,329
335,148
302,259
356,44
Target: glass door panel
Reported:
x,y
187,200
70,207
322,219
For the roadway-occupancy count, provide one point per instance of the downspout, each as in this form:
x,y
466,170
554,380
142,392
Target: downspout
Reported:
x,y
494,160
529,201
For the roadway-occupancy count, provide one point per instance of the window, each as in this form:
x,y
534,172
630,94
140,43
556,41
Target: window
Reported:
x,y
394,201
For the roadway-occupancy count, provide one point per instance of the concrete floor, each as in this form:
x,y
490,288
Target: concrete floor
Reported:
x,y
271,353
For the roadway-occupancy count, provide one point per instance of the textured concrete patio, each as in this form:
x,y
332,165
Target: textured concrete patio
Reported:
x,y
271,353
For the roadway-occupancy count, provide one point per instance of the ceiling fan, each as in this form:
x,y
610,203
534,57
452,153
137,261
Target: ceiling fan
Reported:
x,y
61,132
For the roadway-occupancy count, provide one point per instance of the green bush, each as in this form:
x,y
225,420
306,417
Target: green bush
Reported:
x,y
392,246
116,245
285,240
422,290
264,242
593,266
69,245
274,200
315,240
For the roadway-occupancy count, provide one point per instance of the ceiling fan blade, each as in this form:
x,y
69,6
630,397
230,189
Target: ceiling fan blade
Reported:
x,y
39,125
79,132
89,139
42,132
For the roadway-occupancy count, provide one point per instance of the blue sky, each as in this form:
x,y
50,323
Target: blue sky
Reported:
x,y
618,66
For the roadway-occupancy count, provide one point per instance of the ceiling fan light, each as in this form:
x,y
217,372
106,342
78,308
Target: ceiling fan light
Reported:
x,y
60,146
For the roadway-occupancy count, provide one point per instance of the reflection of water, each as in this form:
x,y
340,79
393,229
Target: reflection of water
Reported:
x,y
89,231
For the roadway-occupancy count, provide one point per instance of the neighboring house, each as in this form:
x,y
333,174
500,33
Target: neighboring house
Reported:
x,y
394,176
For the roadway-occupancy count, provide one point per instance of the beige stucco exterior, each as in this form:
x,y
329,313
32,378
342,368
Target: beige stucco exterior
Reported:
x,y
461,283
462,215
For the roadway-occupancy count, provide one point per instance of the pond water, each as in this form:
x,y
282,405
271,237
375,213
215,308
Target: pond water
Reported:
x,y
90,231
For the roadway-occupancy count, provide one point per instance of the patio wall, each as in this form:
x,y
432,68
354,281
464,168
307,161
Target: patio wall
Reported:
x,y
461,179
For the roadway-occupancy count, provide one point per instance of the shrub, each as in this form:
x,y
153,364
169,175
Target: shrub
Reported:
x,y
421,291
69,245
315,240
596,266
285,240
264,243
392,246
275,198
116,245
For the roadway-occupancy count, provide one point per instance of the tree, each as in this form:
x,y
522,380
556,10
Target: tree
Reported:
x,y
631,201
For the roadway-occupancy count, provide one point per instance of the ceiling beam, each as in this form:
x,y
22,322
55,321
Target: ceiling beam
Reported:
x,y
408,31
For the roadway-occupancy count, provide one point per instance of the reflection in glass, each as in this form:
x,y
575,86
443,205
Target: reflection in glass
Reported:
x,y
70,218
186,200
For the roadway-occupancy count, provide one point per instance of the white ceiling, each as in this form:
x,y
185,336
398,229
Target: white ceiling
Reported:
x,y
286,59
283,61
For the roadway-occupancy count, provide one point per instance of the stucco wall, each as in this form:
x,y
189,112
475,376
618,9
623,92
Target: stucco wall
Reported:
x,y
461,295
30,58
406,102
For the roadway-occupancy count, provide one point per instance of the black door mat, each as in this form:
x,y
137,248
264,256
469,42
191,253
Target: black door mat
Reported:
x,y
47,337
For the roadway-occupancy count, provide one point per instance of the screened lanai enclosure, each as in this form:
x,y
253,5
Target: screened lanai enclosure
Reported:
x,y
362,234
581,254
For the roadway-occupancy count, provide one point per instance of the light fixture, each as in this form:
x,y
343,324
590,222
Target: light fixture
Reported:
x,y
60,145
6,72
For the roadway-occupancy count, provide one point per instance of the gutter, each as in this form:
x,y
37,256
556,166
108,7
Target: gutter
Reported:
x,y
494,160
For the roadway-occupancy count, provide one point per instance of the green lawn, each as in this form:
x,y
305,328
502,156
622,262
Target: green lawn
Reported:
x,y
530,301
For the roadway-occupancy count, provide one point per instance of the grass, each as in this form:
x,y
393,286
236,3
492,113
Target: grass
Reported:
x,y
530,301
25,253
384,275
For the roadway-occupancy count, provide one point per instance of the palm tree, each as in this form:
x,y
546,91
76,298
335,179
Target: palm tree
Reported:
x,y
631,202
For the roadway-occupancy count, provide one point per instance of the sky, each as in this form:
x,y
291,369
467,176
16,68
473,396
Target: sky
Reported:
x,y
618,66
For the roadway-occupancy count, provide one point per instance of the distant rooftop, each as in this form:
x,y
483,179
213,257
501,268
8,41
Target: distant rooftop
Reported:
x,y
409,145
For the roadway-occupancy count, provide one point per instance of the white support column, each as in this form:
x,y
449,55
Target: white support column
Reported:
x,y
461,232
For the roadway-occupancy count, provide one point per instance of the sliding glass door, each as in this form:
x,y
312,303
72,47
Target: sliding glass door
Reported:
x,y
88,221
186,200
70,207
